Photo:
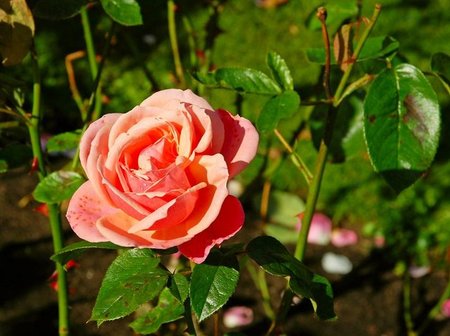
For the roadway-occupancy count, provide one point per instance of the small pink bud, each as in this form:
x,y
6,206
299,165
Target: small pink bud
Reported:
x,y
320,230
343,237
445,308
237,316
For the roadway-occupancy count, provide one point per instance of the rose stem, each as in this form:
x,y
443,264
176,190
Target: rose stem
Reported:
x,y
54,209
90,49
171,8
259,279
314,189
93,113
407,304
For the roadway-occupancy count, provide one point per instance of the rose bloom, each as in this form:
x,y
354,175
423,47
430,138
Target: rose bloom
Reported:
x,y
158,175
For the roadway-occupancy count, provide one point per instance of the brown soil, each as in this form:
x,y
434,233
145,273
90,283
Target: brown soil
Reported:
x,y
368,300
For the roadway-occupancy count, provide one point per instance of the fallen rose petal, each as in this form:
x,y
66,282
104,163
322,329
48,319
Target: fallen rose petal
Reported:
x,y
418,271
343,237
445,308
320,229
238,316
336,264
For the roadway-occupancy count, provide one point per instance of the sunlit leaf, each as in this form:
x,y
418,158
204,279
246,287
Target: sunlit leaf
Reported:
x,y
243,80
402,124
16,31
133,278
125,12
280,71
212,283
57,187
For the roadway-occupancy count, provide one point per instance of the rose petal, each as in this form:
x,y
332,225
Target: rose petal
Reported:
x,y
170,214
171,98
227,224
211,169
240,143
114,227
87,139
85,208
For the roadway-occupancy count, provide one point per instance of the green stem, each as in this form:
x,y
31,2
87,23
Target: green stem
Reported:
x,y
54,209
259,278
314,189
435,310
407,305
174,42
90,50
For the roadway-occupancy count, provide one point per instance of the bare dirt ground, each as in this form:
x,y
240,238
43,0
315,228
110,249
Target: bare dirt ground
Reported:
x,y
368,300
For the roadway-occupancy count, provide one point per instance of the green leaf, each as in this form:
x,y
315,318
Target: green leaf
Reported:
x,y
57,187
275,259
125,12
374,47
212,283
401,124
133,278
74,250
280,71
243,80
63,142
179,286
16,31
167,310
57,9
277,108
15,155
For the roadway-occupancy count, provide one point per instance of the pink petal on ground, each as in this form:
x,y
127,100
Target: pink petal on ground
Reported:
x,y
320,230
445,308
85,208
343,237
238,316
418,271
227,224
87,139
240,143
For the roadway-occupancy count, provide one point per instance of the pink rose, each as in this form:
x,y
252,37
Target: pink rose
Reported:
x,y
158,175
